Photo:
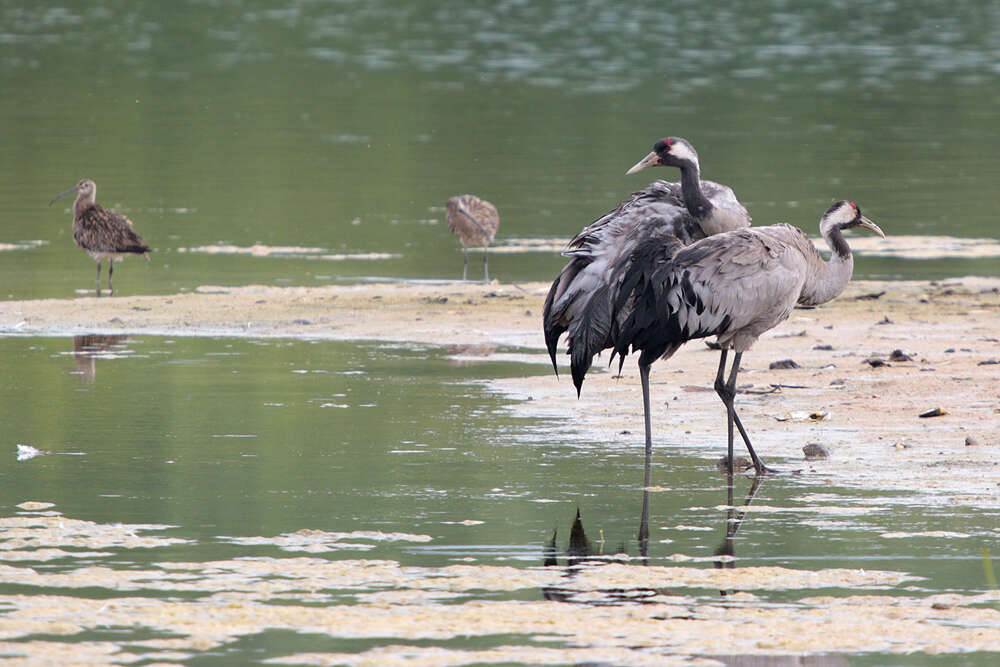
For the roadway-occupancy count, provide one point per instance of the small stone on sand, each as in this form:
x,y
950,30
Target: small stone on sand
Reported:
x,y
816,452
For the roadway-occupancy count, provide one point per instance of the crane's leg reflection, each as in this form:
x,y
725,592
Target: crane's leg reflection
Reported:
x,y
734,520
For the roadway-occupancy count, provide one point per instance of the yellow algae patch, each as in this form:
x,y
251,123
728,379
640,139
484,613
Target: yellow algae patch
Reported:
x,y
811,625
366,256
33,506
23,245
903,246
619,576
257,250
40,555
414,656
58,653
305,252
35,531
315,541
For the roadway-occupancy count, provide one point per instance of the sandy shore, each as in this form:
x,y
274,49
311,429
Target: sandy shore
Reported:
x,y
848,392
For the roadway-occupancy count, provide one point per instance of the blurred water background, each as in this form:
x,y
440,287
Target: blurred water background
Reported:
x,y
343,126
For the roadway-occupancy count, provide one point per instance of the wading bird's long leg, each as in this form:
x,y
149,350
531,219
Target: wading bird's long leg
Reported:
x,y
98,278
465,263
111,269
486,267
720,389
758,464
644,519
727,392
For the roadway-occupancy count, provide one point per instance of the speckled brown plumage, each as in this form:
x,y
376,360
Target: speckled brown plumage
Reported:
x,y
475,222
100,232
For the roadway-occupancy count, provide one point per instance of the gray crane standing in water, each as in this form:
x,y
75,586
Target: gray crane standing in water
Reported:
x,y
734,285
475,222
581,298
102,233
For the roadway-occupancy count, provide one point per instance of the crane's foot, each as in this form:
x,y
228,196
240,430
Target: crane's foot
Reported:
x,y
763,470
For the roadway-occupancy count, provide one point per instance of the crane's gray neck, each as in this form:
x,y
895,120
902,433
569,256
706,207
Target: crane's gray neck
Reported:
x,y
695,200
827,279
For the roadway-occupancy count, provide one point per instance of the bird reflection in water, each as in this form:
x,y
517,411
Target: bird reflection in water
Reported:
x,y
87,349
581,552
726,551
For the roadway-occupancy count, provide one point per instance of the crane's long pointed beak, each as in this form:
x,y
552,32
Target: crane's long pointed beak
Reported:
x,y
650,160
75,188
868,224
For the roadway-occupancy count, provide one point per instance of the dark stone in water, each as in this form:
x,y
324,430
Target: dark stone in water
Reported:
x,y
875,362
816,452
784,363
740,463
899,355
825,348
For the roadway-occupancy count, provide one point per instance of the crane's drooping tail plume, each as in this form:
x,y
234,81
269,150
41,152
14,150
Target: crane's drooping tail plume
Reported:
x,y
581,299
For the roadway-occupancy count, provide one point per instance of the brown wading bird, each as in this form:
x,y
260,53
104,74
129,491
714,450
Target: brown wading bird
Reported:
x,y
103,234
474,221
734,285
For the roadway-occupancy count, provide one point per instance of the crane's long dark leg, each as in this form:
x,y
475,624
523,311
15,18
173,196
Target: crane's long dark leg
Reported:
x,y
111,269
486,267
98,277
465,263
727,392
647,478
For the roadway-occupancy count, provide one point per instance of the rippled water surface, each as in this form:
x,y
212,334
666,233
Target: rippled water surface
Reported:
x,y
344,126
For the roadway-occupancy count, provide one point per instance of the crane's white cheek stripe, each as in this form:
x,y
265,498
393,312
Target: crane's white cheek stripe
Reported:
x,y
683,152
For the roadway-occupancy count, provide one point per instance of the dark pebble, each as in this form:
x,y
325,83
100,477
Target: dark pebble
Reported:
x,y
826,348
936,412
815,452
899,355
875,363
741,463
784,363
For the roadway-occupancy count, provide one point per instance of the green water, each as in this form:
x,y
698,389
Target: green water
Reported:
x,y
223,439
346,125
226,437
